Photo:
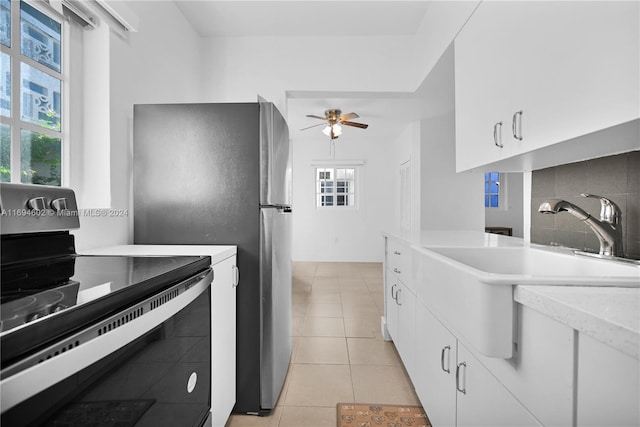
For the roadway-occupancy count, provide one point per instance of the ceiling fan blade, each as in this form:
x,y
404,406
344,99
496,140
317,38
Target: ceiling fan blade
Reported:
x,y
309,127
316,117
348,116
354,124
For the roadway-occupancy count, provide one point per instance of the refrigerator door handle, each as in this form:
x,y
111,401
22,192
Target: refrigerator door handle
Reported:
x,y
280,208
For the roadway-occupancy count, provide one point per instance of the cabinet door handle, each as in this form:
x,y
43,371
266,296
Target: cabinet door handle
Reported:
x,y
397,253
497,135
517,124
464,365
448,350
394,296
398,296
237,276
395,270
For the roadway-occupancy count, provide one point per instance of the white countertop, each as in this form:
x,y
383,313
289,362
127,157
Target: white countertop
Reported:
x,y
216,252
610,315
455,238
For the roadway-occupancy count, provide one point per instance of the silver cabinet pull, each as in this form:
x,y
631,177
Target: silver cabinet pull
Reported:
x,y
461,364
398,296
497,135
395,270
448,350
237,278
517,124
394,296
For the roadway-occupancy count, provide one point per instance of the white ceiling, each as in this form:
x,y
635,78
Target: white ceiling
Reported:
x,y
215,18
385,113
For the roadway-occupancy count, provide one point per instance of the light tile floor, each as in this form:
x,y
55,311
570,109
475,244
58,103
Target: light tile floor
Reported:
x,y
338,351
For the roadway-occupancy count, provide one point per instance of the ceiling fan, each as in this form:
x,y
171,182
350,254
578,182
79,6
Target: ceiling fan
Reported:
x,y
335,120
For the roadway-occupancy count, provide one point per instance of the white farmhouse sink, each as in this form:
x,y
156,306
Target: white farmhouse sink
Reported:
x,y
532,266
471,289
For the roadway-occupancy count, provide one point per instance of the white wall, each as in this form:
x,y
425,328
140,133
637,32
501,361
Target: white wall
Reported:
x,y
343,234
152,65
449,201
238,68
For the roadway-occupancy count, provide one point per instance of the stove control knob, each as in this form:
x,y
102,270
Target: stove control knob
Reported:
x,y
37,204
59,205
32,317
58,307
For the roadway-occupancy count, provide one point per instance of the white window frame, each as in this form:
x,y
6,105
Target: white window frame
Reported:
x,y
336,164
15,121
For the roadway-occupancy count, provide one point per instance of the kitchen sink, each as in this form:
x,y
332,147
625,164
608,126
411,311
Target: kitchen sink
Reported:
x,y
531,266
471,289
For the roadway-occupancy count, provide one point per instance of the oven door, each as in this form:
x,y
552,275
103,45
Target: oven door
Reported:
x,y
149,365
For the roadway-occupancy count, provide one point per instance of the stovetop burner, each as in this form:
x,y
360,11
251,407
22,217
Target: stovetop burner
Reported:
x,y
22,309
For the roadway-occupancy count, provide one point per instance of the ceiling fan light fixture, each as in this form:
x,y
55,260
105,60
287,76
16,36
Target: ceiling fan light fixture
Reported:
x,y
335,120
337,130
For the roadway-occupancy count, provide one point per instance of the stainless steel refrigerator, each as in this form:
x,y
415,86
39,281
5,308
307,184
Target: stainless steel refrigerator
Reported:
x,y
220,174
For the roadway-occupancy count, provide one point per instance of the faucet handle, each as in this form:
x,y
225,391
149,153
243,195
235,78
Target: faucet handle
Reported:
x,y
609,211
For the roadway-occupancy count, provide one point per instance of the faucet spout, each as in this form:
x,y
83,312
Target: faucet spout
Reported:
x,y
553,206
607,229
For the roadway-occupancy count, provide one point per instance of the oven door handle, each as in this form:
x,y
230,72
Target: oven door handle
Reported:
x,y
70,355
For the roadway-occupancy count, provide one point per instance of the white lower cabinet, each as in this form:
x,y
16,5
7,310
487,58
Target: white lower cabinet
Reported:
x,y
400,308
400,300
608,386
435,366
391,307
406,301
482,399
223,340
454,387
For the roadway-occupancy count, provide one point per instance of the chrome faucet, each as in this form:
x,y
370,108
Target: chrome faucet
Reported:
x,y
608,229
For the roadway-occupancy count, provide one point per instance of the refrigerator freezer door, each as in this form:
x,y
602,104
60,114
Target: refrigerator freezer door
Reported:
x,y
275,157
275,265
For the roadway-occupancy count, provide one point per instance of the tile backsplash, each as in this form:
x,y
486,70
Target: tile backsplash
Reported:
x,y
614,177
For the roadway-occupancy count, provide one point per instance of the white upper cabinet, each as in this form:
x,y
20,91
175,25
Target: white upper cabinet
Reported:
x,y
531,74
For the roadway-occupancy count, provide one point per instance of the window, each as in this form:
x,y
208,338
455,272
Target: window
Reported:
x,y
491,190
30,95
335,187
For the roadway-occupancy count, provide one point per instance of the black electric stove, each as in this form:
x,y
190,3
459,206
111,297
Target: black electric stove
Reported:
x,y
50,294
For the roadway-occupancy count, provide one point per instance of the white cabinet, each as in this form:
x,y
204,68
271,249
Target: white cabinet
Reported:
x,y
482,399
391,307
405,342
608,385
400,300
454,387
223,335
398,261
570,68
435,366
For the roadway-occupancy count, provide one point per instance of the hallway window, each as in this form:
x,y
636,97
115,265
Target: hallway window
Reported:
x,y
491,190
335,187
